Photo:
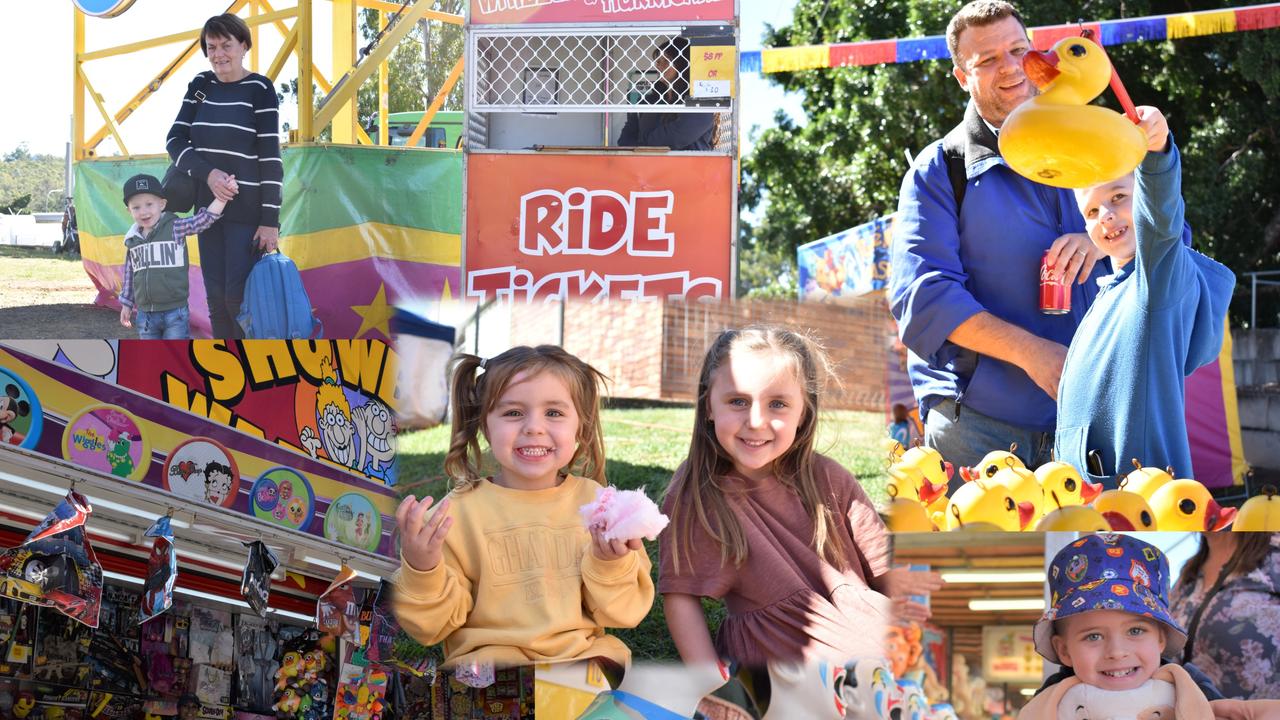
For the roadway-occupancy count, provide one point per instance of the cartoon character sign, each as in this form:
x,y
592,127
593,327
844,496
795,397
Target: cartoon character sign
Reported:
x,y
202,469
283,496
353,520
108,439
21,418
351,429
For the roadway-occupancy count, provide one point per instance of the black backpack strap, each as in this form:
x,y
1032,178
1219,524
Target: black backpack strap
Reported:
x,y
953,151
204,79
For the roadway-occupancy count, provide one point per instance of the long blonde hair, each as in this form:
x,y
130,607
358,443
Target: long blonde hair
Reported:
x,y
698,490
479,384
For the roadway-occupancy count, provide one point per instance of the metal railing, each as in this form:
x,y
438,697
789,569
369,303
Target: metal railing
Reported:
x,y
1254,282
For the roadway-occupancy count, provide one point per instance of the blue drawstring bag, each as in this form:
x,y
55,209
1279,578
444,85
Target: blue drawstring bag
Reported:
x,y
275,303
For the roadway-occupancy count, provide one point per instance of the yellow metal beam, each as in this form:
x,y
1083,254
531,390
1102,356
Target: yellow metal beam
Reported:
x,y
154,86
384,90
77,86
436,103
319,77
136,101
176,37
393,7
253,38
111,123
344,58
305,103
350,85
286,50
363,137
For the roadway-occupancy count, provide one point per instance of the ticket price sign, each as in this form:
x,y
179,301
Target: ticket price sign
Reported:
x,y
597,227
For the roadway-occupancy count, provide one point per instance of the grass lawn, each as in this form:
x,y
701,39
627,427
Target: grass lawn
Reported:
x,y
16,263
643,447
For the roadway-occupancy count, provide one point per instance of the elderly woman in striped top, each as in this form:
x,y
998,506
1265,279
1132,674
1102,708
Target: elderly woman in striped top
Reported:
x,y
229,126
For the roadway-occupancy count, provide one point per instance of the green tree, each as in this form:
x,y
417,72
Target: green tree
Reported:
x,y
417,68
844,166
30,183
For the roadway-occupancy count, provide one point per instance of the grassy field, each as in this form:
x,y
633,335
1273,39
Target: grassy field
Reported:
x,y
644,446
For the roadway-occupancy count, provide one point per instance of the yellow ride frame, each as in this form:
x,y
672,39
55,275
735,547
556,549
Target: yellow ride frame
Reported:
x,y
337,109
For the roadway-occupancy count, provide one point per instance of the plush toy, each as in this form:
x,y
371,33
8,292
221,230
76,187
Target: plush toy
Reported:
x,y
1171,692
623,515
914,705
866,689
805,691
942,711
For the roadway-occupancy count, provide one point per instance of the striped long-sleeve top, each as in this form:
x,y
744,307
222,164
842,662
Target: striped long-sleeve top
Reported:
x,y
235,129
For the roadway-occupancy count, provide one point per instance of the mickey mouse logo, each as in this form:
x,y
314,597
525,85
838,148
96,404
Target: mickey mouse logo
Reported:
x,y
12,408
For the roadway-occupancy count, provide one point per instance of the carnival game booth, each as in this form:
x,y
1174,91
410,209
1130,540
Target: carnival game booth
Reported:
x,y
368,224
559,201
252,560
976,651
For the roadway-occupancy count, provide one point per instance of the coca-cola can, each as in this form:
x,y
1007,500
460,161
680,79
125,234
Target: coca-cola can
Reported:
x,y
1055,292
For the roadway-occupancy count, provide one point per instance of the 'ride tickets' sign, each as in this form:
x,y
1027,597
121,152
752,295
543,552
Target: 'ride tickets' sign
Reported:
x,y
598,227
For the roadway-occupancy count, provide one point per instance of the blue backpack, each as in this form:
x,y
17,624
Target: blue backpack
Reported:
x,y
275,303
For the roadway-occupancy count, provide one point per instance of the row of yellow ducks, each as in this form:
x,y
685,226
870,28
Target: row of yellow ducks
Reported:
x,y
1001,494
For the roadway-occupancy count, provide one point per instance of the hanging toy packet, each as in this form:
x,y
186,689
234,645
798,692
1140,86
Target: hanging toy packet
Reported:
x,y
162,571
255,584
337,613
56,566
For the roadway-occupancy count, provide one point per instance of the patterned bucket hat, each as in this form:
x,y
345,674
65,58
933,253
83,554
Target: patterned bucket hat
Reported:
x,y
1109,572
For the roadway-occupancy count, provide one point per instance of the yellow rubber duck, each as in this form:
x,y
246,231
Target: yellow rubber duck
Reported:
x,y
921,474
1058,138
1260,513
982,501
992,463
1062,481
1024,488
1145,480
1074,518
1125,510
1187,505
905,515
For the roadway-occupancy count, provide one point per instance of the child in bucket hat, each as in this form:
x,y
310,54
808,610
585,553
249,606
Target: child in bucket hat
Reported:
x,y
1108,623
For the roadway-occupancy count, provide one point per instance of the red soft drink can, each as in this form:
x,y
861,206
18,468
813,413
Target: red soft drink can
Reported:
x,y
1055,293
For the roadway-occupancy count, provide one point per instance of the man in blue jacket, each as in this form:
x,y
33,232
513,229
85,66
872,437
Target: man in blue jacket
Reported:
x,y
984,362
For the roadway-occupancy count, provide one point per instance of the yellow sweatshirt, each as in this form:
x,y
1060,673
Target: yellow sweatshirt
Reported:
x,y
519,583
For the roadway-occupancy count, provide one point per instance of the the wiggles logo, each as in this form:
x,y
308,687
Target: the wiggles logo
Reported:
x,y
88,440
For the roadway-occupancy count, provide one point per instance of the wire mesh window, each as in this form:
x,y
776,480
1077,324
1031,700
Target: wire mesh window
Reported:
x,y
582,72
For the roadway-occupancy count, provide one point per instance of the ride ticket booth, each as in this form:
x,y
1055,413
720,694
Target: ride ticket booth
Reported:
x,y
601,150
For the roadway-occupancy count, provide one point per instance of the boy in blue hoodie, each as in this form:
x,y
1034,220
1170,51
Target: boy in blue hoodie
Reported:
x,y
1158,317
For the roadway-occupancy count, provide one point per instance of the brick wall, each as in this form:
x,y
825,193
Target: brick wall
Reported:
x,y
855,336
654,351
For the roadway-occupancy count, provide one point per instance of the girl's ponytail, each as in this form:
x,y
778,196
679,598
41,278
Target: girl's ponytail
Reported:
x,y
462,461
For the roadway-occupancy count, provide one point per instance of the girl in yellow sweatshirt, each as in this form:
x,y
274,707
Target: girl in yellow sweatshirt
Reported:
x,y
503,570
